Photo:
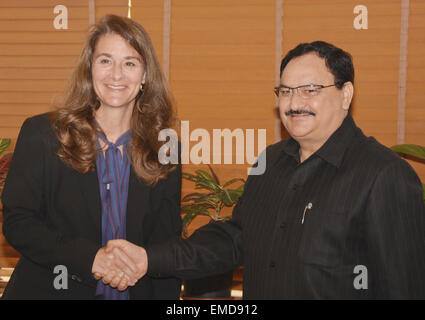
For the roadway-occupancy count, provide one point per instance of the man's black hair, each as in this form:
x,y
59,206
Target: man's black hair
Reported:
x,y
338,61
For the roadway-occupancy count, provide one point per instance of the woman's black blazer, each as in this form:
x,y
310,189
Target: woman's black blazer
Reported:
x,y
52,216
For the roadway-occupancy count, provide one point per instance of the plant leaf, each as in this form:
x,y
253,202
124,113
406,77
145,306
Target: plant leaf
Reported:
x,y
228,183
201,182
209,185
194,207
226,198
189,176
5,162
413,150
206,176
194,196
4,144
186,220
216,197
190,216
214,175
204,204
234,195
240,189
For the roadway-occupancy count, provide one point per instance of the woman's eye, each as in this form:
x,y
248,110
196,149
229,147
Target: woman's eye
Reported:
x,y
104,61
130,64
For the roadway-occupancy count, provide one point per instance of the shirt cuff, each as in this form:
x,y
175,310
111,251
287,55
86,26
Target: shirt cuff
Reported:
x,y
81,272
160,260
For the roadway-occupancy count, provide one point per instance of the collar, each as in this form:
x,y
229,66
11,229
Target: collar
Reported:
x,y
122,140
334,148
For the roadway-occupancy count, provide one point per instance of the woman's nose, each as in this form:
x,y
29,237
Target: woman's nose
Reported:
x,y
116,72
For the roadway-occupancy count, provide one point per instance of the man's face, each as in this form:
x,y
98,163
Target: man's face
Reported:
x,y
320,115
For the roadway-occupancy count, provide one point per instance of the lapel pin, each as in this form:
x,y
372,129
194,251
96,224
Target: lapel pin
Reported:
x,y
309,206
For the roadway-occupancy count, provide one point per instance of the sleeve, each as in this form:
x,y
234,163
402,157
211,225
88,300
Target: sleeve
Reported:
x,y
26,225
395,234
166,204
213,249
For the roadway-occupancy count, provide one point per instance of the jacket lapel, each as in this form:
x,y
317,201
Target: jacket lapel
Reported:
x,y
90,190
137,204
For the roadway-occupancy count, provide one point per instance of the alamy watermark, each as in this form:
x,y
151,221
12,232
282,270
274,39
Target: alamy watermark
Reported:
x,y
222,147
361,280
361,20
61,20
61,280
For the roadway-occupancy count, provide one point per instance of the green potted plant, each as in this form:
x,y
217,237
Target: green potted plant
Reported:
x,y
413,152
5,160
211,198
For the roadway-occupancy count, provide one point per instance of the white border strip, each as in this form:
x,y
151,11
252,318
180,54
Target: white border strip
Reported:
x,y
278,57
402,72
166,39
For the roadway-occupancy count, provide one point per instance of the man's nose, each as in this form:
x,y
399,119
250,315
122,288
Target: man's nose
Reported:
x,y
296,102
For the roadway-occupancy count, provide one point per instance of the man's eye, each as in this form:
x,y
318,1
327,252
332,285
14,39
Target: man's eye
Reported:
x,y
311,91
285,92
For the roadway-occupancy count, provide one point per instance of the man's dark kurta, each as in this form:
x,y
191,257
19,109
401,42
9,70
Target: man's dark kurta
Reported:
x,y
366,210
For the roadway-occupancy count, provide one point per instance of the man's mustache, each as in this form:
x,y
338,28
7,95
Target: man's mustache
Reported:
x,y
300,111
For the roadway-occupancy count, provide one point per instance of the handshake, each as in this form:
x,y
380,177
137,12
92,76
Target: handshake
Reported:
x,y
120,264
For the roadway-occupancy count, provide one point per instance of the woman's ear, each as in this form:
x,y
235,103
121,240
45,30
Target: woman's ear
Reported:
x,y
348,92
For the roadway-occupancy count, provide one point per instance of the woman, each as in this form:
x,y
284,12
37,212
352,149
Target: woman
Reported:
x,y
89,173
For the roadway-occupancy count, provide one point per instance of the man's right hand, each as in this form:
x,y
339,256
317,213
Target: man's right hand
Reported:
x,y
115,268
136,254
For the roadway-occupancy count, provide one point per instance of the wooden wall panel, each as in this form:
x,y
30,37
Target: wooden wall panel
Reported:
x,y
104,7
222,68
150,14
375,53
222,71
30,48
415,95
36,59
222,60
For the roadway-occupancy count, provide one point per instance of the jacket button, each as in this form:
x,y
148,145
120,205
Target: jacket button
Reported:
x,y
283,225
294,187
272,264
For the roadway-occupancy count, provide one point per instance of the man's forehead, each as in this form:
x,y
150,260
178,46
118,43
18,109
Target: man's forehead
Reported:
x,y
306,68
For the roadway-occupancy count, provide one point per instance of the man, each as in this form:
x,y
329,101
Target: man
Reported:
x,y
336,215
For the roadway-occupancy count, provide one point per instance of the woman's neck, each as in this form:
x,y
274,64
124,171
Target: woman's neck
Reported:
x,y
113,121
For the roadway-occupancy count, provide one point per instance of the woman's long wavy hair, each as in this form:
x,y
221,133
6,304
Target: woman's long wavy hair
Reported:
x,y
153,111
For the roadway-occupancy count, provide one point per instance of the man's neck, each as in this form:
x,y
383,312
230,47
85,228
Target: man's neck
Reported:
x,y
309,147
306,151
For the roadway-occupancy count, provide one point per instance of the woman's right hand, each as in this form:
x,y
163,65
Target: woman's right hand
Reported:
x,y
114,268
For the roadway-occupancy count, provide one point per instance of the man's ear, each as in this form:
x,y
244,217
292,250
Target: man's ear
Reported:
x,y
348,92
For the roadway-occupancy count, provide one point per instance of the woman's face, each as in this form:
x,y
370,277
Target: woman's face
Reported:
x,y
117,72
